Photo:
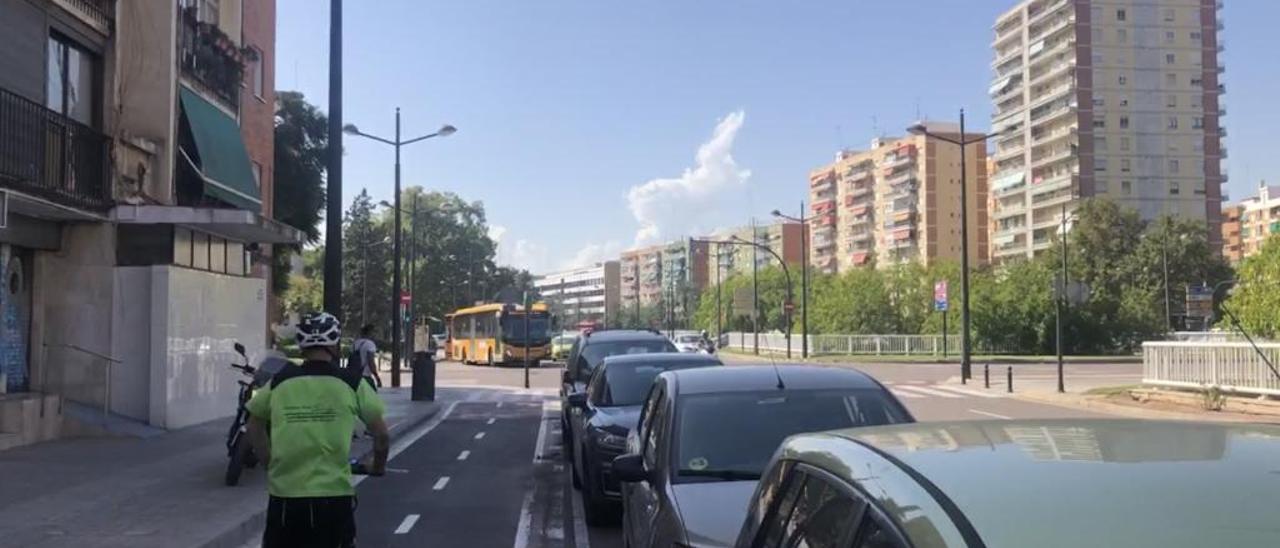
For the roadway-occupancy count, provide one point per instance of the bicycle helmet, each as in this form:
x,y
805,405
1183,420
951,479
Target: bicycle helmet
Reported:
x,y
318,329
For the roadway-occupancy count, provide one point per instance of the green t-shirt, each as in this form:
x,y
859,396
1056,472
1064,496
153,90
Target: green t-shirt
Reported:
x,y
312,410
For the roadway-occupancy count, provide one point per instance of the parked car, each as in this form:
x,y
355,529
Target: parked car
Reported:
x,y
590,350
705,435
1043,483
561,345
601,418
690,342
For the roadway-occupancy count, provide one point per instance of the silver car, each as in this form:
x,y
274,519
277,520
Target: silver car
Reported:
x,y
1013,484
706,434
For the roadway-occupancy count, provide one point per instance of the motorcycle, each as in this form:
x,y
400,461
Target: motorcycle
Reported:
x,y
239,448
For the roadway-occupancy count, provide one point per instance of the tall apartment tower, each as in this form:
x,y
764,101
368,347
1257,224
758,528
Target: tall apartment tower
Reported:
x,y
898,202
1116,99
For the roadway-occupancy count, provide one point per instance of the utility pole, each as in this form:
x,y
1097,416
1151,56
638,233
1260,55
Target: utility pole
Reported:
x,y
413,277
1062,297
1164,261
637,294
755,291
804,283
333,171
719,315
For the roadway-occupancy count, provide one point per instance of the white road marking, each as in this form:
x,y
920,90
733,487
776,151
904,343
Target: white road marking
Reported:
x,y
550,410
409,438
463,455
526,520
499,405
479,435
580,539
490,421
407,524
970,392
440,483
992,415
902,394
929,391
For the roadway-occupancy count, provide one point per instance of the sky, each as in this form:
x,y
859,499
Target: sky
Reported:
x,y
588,127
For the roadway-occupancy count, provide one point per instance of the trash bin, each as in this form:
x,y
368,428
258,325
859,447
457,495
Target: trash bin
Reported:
x,y
424,377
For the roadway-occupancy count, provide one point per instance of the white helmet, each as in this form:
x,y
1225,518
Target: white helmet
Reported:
x,y
318,329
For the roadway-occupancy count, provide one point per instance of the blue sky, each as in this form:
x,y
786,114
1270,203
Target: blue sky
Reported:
x,y
589,126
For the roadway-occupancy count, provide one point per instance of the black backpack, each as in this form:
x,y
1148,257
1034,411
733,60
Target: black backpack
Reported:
x,y
355,361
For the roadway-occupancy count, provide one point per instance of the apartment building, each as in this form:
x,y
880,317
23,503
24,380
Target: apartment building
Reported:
x,y
583,295
784,238
135,159
1247,226
641,274
1117,99
897,202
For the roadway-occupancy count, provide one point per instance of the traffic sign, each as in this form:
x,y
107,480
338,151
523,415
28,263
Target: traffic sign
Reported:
x,y
742,301
789,307
940,301
1199,301
406,298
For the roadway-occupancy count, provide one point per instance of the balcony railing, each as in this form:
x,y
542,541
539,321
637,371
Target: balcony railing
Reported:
x,y
48,155
99,13
210,57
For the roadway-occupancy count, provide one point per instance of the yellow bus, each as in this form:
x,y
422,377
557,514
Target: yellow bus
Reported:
x,y
494,334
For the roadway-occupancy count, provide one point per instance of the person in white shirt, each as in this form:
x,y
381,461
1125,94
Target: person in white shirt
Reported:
x,y
368,351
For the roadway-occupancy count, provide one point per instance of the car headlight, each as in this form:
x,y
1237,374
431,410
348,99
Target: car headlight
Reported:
x,y
611,441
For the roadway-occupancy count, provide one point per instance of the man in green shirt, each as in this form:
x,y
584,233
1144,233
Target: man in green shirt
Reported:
x,y
310,411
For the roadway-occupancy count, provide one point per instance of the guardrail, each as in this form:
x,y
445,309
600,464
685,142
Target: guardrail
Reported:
x,y
1227,366
837,345
77,382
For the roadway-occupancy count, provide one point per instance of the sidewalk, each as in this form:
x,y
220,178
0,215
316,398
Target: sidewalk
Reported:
x,y
953,358
164,491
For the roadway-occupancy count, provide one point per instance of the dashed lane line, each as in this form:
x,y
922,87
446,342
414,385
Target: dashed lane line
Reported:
x,y
407,524
491,420
440,483
464,454
479,435
413,436
927,391
990,414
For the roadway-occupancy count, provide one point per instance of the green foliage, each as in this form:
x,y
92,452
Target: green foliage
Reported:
x,y
301,148
1256,298
366,267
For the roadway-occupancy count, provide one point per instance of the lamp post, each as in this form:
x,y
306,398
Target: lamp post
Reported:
x,y
804,275
962,141
735,240
333,169
396,143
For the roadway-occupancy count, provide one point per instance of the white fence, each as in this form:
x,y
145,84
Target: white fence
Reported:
x,y
1229,366
879,345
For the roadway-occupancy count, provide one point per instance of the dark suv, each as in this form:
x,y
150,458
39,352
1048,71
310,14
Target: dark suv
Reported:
x,y
590,351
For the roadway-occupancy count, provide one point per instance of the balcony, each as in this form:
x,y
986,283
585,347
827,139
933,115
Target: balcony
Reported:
x,y
1038,15
45,154
1052,27
1048,137
1053,156
210,58
900,176
99,14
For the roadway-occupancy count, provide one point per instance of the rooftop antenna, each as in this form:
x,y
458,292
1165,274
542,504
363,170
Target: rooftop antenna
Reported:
x,y
875,127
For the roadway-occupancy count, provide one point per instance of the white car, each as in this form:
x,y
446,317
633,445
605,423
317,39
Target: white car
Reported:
x,y
690,343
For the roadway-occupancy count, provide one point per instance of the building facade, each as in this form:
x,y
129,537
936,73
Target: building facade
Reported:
x,y
1252,222
583,295
641,274
897,202
784,238
1116,99
127,157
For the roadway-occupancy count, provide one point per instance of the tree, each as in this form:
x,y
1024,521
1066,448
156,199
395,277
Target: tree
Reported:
x,y
1191,261
301,149
366,267
1256,298
306,290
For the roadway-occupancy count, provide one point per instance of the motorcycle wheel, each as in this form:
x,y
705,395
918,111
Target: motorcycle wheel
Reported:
x,y
236,464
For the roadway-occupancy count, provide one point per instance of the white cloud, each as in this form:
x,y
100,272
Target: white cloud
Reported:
x,y
520,253
593,253
667,208
496,232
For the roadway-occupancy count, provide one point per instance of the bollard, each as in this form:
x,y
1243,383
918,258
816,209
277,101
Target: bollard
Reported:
x,y
1009,380
986,376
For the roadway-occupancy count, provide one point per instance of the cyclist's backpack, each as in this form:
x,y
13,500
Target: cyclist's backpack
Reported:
x,y
355,360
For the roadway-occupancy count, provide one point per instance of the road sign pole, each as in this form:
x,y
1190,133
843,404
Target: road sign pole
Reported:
x,y
527,347
944,334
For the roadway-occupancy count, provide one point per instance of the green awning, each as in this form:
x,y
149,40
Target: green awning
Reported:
x,y
221,159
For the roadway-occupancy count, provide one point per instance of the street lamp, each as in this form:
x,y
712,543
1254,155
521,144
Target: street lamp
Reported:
x,y
735,240
444,131
804,275
962,142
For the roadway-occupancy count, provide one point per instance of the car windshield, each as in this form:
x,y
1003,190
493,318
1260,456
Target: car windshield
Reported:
x,y
595,353
628,384
732,435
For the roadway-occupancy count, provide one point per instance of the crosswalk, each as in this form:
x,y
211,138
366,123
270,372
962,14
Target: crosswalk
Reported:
x,y
913,391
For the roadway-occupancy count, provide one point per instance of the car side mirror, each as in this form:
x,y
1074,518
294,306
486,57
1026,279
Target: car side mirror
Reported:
x,y
630,468
240,350
578,400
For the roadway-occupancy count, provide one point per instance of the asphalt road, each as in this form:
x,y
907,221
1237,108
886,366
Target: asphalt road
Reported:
x,y
488,470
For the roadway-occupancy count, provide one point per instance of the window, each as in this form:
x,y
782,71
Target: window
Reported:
x,y
1170,79
69,81
1124,122
1169,37
1197,82
1195,35
1126,187
874,534
1124,143
1100,143
256,73
1173,122
1097,59
1197,145
1099,102
1124,101
1121,15
1169,14
1197,122
1196,102
1173,166
823,516
1123,80
1100,164
1097,34
1174,190
1122,35
1125,165
1102,186
653,422
1172,101
206,10
775,522
1099,122
1170,59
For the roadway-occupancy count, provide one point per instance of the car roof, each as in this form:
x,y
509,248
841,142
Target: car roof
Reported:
x,y
659,357
622,335
1035,482
765,377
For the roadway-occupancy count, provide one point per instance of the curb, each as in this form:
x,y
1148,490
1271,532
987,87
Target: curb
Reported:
x,y
1082,402
244,532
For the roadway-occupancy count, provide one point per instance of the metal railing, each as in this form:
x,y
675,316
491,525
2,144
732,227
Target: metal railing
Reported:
x,y
48,155
98,12
210,57
79,381
847,345
1227,366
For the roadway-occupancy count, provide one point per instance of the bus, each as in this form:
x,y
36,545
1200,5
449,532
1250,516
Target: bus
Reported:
x,y
494,334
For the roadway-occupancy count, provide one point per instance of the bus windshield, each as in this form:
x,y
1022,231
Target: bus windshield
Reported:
x,y
539,329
